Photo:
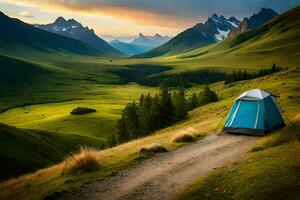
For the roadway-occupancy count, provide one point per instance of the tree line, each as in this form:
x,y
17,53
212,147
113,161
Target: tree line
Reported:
x,y
244,75
151,113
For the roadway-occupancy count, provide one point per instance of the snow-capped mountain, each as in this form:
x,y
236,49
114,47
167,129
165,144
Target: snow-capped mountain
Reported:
x,y
216,28
73,29
221,26
150,41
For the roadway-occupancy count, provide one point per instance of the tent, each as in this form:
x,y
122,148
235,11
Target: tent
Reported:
x,y
254,112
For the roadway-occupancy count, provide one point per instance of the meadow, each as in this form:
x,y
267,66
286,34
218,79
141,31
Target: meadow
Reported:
x,y
201,121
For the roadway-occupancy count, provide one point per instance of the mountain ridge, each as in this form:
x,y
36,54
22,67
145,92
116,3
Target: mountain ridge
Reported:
x,y
20,38
214,29
75,30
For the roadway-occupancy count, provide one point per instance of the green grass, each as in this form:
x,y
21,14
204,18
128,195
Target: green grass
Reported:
x,y
272,173
108,100
200,121
24,151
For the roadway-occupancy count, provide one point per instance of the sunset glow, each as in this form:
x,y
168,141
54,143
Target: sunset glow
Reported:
x,y
127,18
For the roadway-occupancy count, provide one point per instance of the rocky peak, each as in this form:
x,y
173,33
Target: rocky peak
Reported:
x,y
256,20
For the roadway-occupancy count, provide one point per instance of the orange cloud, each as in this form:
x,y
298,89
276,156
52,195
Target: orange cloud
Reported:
x,y
135,15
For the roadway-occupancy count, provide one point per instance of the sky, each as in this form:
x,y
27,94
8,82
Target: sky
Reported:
x,y
126,18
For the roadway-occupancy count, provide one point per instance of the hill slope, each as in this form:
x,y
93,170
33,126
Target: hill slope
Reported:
x,y
24,151
275,42
17,37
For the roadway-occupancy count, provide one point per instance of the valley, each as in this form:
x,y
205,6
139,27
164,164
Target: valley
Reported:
x,y
47,70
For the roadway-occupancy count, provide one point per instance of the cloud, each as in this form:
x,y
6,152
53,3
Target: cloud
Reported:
x,y
25,14
135,11
164,13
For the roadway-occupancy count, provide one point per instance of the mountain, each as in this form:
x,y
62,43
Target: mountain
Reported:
x,y
73,29
19,38
150,41
216,28
254,21
277,41
128,48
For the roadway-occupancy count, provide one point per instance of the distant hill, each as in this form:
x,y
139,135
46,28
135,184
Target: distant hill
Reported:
x,y
19,38
254,21
216,28
129,48
150,41
73,29
24,151
277,42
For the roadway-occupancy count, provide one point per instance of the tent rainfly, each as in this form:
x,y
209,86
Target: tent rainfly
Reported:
x,y
254,112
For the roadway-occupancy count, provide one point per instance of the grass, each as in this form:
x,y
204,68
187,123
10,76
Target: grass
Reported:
x,y
183,137
86,160
153,148
290,133
25,151
270,173
108,100
200,121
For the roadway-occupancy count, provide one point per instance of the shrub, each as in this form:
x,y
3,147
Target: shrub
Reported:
x,y
82,110
153,148
85,160
184,137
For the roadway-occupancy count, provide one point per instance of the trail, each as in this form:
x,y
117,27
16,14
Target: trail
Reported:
x,y
164,175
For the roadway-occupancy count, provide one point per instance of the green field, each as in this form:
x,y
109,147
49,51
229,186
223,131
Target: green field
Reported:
x,y
108,100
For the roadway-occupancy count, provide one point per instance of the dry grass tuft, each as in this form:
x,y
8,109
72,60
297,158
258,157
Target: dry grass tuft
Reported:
x,y
154,148
86,160
184,137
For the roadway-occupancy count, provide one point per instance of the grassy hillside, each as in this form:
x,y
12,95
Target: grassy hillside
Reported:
x,y
24,151
201,121
272,173
186,41
274,42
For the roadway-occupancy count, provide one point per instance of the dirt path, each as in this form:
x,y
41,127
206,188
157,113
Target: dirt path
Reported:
x,y
164,175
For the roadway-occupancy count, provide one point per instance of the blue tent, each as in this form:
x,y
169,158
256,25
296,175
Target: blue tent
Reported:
x,y
254,112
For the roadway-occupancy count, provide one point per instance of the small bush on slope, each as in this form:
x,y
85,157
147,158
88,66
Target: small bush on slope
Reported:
x,y
82,110
153,148
84,161
184,137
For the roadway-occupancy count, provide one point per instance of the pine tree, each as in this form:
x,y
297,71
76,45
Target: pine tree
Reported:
x,y
124,135
193,102
179,103
165,105
155,114
207,96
